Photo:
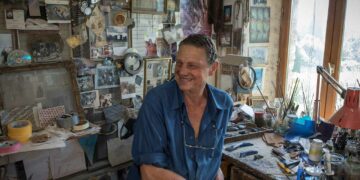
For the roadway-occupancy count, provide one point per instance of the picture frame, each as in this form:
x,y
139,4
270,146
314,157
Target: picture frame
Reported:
x,y
258,2
106,77
226,36
258,55
154,6
156,72
259,25
227,13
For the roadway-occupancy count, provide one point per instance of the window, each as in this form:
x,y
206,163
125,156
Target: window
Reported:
x,y
350,54
319,32
306,47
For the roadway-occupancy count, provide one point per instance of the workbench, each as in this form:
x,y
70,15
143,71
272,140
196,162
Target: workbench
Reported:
x,y
247,167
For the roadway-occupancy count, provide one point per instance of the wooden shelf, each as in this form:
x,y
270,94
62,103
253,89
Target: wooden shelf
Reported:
x,y
34,66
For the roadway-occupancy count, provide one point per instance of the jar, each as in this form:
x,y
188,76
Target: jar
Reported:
x,y
315,151
259,118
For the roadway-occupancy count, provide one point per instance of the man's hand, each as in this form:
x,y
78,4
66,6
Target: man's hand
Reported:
x,y
149,172
219,175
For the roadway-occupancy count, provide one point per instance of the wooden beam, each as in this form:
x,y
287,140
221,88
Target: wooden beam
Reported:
x,y
283,47
332,53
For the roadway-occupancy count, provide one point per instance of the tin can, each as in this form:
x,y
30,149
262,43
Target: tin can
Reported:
x,y
315,152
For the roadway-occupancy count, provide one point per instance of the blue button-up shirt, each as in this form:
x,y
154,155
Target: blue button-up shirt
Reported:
x,y
165,138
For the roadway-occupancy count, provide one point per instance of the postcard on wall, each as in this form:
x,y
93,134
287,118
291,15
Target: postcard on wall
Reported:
x,y
127,86
14,19
90,99
58,11
85,83
106,77
258,54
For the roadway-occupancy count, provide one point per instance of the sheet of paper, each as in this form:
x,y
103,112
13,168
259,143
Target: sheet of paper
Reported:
x,y
14,19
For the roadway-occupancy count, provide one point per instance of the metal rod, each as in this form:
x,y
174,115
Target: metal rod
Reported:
x,y
316,105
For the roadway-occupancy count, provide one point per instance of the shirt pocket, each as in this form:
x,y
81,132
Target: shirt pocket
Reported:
x,y
211,141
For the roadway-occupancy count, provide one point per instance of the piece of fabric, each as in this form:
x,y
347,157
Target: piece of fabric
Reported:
x,y
165,138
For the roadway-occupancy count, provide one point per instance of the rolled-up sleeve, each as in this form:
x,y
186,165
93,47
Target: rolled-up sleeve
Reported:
x,y
150,134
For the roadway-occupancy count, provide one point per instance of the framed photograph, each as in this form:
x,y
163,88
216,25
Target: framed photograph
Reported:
x,y
156,72
258,54
154,6
58,13
227,13
106,77
85,83
259,24
226,36
117,34
89,99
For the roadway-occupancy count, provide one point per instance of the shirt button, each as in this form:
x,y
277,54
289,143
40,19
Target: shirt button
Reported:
x,y
191,137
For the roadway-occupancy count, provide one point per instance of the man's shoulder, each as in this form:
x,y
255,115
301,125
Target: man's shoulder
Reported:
x,y
161,91
220,96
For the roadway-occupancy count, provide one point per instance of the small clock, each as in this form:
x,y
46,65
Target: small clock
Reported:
x,y
133,63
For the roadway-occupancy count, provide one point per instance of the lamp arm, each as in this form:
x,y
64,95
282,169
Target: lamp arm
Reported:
x,y
329,79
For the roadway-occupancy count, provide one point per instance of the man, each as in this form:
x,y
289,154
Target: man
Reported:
x,y
180,128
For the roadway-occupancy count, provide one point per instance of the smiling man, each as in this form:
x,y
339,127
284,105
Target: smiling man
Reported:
x,y
180,129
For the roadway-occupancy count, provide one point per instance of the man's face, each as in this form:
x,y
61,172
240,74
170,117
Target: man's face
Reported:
x,y
192,69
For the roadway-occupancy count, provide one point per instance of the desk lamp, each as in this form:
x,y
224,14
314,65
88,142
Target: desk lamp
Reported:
x,y
348,116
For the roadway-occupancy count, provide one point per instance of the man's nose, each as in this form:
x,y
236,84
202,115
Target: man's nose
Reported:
x,y
181,70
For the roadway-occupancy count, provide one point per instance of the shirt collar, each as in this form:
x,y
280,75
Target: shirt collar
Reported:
x,y
179,99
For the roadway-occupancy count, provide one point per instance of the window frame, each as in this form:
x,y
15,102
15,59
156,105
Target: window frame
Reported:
x,y
332,51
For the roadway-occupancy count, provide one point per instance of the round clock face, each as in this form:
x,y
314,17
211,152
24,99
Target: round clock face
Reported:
x,y
132,63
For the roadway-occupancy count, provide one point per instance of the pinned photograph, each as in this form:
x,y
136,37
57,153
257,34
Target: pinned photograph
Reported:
x,y
127,86
105,100
85,83
89,99
227,13
117,34
58,13
156,72
106,77
14,18
258,54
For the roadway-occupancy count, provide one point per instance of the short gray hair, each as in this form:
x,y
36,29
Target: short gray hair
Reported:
x,y
202,41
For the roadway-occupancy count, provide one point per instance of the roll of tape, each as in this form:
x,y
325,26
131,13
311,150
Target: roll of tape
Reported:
x,y
20,130
81,126
119,19
9,146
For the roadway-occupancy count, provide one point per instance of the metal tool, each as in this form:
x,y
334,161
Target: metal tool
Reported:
x,y
247,153
239,145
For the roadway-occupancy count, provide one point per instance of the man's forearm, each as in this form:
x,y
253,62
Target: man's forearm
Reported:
x,y
149,172
219,175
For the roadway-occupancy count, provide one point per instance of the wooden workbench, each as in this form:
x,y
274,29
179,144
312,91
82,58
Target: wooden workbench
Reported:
x,y
265,168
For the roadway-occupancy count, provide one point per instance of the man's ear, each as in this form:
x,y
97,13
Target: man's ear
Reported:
x,y
213,68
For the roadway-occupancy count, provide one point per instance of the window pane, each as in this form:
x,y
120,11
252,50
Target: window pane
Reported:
x,y
350,54
306,47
